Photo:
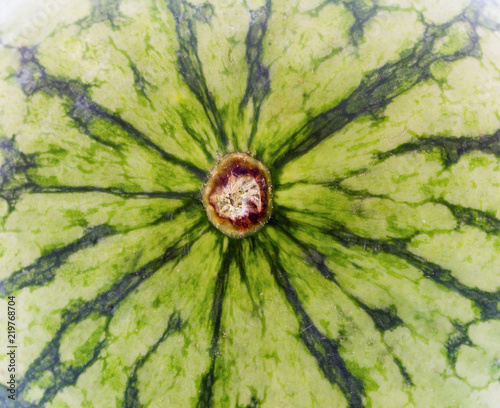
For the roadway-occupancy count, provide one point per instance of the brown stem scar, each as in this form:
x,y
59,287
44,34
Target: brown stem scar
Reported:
x,y
238,195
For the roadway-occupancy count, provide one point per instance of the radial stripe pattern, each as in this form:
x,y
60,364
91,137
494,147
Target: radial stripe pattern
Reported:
x,y
376,282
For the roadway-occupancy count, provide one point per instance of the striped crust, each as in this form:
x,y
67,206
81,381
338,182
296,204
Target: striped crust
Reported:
x,y
375,283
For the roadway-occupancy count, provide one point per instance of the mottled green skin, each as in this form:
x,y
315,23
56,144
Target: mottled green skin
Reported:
x,y
376,282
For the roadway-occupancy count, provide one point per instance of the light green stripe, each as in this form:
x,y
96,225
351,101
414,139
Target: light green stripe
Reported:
x,y
370,217
262,358
138,80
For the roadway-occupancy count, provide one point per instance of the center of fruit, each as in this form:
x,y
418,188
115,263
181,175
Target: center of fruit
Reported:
x,y
238,195
238,198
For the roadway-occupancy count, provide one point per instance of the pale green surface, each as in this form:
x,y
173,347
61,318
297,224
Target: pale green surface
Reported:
x,y
472,182
12,106
354,330
182,359
86,274
286,374
158,106
383,218
428,313
78,342
70,216
458,251
137,326
371,217
222,53
466,101
65,158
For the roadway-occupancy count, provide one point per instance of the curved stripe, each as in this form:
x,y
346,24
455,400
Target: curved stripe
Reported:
x,y
104,304
488,303
206,389
324,350
131,399
464,215
378,89
451,148
258,82
33,78
190,64
43,270
32,188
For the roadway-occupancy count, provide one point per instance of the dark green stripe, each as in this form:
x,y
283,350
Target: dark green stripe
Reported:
x,y
361,13
189,62
8,403
12,158
487,302
287,186
202,144
131,399
140,137
254,403
486,20
451,148
37,189
43,270
103,10
403,372
384,319
324,350
104,304
240,263
475,218
208,380
378,89
258,82
140,82
63,376
464,215
13,172
33,78
456,339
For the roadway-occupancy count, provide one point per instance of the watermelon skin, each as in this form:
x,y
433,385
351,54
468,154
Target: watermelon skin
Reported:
x,y
376,282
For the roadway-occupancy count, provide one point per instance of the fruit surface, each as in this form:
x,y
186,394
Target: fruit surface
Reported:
x,y
376,281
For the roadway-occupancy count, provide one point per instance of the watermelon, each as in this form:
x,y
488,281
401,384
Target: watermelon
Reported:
x,y
256,203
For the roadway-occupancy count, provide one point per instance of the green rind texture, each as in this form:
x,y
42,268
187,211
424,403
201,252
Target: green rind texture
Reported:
x,y
376,283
